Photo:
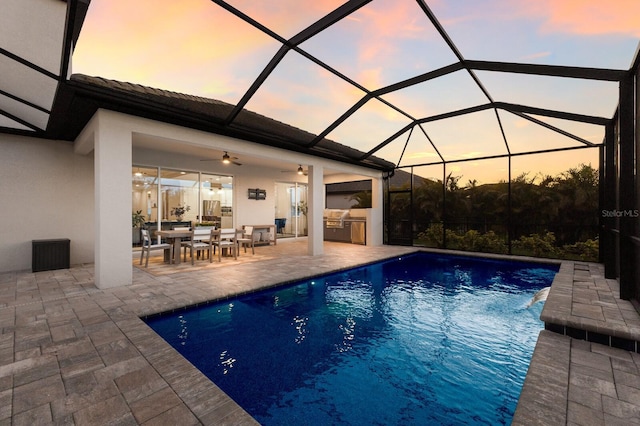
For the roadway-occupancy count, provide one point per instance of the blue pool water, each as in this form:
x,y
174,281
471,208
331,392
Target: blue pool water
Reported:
x,y
425,339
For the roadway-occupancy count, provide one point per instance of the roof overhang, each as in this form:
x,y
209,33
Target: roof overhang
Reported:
x,y
35,51
81,96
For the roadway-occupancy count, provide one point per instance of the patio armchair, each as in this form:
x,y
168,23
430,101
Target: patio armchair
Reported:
x,y
248,238
148,247
280,224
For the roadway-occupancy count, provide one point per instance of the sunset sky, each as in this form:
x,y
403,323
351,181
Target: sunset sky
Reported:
x,y
197,47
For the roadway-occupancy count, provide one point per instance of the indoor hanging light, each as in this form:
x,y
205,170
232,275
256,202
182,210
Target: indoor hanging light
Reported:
x,y
225,158
300,171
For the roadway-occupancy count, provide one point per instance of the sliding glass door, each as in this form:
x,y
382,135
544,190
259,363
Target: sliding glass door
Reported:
x,y
179,194
291,209
217,196
144,194
165,198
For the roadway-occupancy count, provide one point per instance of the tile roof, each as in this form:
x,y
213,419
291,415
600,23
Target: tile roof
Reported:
x,y
83,94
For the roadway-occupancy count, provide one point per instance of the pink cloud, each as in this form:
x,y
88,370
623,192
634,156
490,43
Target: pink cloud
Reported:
x,y
591,17
287,17
582,17
171,45
537,55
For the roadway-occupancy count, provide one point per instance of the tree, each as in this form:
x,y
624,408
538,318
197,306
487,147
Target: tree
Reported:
x,y
362,198
565,206
577,218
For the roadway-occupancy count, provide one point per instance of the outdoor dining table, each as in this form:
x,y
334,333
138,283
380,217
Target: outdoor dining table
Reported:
x,y
174,236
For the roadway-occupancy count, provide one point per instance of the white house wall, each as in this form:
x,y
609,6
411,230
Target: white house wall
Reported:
x,y
47,193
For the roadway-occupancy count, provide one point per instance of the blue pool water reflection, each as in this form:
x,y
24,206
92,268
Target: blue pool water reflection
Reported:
x,y
426,339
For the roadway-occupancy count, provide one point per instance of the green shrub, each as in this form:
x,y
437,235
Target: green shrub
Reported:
x,y
471,240
205,224
537,245
582,250
490,242
432,236
533,245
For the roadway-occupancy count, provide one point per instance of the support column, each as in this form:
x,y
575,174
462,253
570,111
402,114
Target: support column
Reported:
x,y
315,197
626,194
608,187
375,216
113,254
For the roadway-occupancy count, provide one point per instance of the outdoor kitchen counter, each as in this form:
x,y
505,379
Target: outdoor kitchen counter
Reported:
x,y
351,230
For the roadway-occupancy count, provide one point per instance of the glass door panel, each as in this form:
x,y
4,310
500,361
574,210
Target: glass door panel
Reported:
x,y
291,209
180,198
299,201
144,200
217,200
165,198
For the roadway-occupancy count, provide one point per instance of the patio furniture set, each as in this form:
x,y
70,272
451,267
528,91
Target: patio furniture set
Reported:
x,y
198,241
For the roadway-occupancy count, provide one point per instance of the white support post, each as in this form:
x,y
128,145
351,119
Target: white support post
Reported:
x,y
113,253
375,216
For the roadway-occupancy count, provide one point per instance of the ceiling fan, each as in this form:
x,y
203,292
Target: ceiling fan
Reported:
x,y
226,159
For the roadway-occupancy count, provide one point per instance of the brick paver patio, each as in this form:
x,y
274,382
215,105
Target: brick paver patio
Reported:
x,y
71,353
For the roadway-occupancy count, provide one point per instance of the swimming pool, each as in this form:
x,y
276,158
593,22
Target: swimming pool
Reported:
x,y
424,339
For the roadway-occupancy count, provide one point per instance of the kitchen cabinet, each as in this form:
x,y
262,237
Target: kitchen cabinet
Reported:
x,y
344,234
338,234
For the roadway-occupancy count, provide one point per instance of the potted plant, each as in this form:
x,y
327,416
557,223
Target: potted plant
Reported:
x,y
179,211
303,208
137,222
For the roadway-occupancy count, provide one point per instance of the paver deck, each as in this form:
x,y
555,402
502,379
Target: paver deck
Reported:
x,y
585,368
71,353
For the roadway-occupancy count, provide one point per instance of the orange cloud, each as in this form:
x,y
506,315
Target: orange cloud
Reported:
x,y
582,17
537,55
287,18
172,46
382,27
371,77
592,17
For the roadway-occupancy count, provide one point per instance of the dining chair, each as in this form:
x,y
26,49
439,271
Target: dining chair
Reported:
x,y
199,240
225,239
148,247
247,239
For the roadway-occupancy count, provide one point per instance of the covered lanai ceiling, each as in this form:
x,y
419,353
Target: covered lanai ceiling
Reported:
x,y
36,40
412,82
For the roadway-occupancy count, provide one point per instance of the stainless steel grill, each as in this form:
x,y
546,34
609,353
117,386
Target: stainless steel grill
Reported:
x,y
335,218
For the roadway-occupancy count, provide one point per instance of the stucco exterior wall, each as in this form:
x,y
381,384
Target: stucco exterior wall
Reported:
x,y
47,192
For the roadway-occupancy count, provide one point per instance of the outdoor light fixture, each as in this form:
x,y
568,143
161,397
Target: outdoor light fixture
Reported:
x,y
300,171
225,158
